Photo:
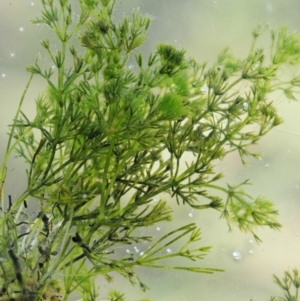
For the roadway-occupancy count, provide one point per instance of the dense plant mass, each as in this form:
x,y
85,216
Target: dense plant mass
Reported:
x,y
108,137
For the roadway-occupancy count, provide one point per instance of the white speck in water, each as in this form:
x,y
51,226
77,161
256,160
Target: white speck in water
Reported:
x,y
255,66
204,89
142,253
158,228
297,186
250,241
21,29
32,3
236,255
251,252
155,199
267,165
269,7
84,195
128,251
3,75
190,214
245,106
169,250
12,54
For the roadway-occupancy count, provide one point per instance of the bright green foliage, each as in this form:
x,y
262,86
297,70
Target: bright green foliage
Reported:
x,y
108,137
290,284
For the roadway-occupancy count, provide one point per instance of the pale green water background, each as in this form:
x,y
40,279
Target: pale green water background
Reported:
x,y
203,27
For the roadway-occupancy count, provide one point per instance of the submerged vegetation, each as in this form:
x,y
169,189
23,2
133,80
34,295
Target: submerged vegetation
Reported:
x,y
108,138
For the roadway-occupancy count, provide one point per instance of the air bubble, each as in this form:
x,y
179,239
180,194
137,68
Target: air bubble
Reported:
x,y
250,241
251,252
267,165
21,29
3,75
190,214
204,89
255,66
236,255
245,106
158,228
12,54
169,250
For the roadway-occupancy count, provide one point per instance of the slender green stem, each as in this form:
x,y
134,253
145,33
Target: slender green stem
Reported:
x,y
104,193
10,148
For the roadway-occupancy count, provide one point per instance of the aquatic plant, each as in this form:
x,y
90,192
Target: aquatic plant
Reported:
x,y
108,138
289,283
